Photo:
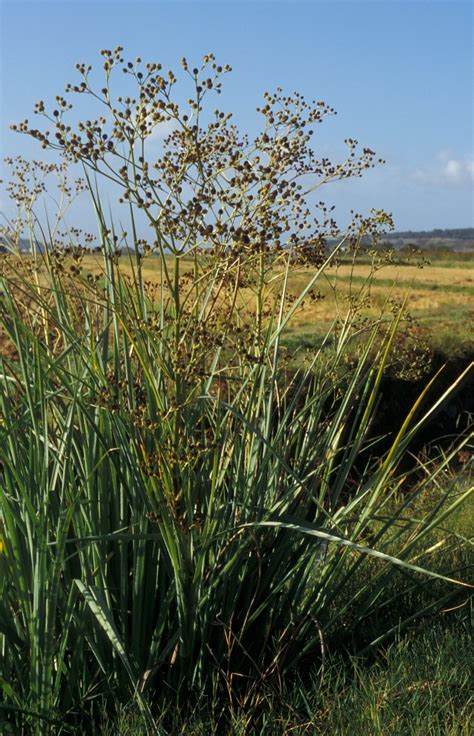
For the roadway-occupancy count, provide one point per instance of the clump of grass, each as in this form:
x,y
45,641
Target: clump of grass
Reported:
x,y
176,522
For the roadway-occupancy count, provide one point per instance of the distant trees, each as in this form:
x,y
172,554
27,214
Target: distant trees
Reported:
x,y
466,233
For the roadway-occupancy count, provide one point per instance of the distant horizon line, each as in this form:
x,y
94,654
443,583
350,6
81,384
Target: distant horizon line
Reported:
x,y
463,238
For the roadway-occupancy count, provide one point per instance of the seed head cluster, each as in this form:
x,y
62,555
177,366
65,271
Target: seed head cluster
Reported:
x,y
239,208
210,187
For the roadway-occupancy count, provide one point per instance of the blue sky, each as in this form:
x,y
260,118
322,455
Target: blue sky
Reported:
x,y
399,73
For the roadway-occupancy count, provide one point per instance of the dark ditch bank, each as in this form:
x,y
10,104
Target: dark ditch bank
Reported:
x,y
452,419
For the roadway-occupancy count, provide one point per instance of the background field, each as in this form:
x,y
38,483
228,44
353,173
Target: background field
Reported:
x,y
439,291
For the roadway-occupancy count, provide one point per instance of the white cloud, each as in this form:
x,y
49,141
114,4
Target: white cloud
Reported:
x,y
453,169
446,170
161,130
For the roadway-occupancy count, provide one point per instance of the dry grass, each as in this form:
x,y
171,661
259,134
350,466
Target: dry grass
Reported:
x,y
440,297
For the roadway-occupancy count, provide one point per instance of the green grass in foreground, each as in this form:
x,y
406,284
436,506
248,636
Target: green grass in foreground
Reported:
x,y
423,684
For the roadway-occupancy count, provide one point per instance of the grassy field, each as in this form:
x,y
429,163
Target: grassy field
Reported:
x,y
440,298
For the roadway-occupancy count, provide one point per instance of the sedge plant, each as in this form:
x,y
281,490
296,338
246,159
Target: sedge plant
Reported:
x,y
178,513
